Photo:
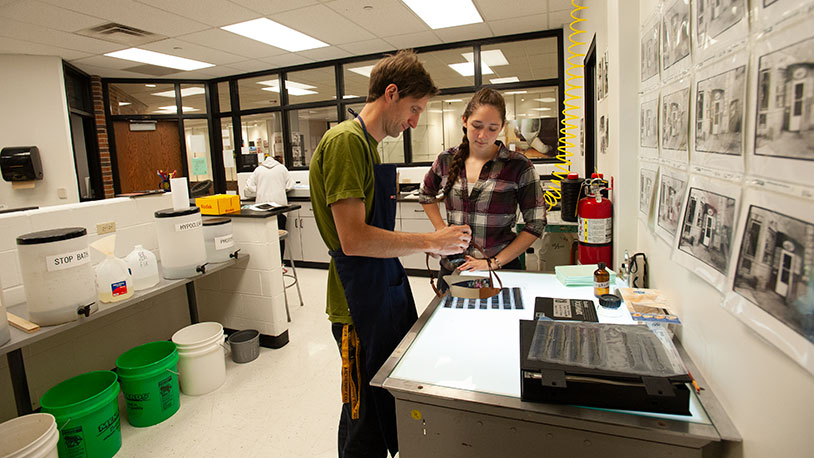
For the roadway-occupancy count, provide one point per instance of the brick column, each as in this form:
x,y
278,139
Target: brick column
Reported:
x,y
101,135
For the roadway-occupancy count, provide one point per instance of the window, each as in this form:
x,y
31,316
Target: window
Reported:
x,y
450,68
391,150
228,153
193,99
440,127
141,99
314,85
199,160
307,128
357,78
531,121
525,60
259,92
262,137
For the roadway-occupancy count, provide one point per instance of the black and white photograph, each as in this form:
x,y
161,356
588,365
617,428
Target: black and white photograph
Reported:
x,y
650,52
601,135
649,124
647,180
774,268
671,197
714,17
675,30
600,87
675,115
706,231
785,102
719,106
605,75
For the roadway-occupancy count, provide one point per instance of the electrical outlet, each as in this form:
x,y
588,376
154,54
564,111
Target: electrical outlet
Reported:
x,y
105,228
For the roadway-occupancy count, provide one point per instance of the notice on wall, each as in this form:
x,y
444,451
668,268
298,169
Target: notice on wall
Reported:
x,y
198,166
228,158
197,144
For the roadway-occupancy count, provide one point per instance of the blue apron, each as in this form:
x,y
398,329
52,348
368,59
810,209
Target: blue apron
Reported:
x,y
379,297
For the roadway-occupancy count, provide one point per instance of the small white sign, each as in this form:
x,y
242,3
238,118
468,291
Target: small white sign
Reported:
x,y
67,260
188,226
224,242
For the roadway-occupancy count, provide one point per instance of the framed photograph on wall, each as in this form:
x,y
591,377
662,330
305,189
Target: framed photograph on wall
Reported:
x,y
648,174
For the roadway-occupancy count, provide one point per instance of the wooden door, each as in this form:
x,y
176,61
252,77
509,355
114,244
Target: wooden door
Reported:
x,y
139,155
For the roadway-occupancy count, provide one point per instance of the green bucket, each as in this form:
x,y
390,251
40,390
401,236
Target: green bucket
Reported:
x,y
86,409
149,378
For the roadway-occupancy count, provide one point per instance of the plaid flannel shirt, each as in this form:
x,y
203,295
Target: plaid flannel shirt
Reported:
x,y
506,182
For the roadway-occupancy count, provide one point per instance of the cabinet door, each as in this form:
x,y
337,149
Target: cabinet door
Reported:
x,y
313,248
293,245
417,261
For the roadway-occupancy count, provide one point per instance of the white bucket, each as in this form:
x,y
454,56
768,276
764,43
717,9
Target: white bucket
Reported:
x,y
201,359
29,436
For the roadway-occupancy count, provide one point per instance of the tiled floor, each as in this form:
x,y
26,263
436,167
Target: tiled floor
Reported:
x,y
284,404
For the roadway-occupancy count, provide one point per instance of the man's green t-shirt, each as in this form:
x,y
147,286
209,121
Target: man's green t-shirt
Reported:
x,y
341,168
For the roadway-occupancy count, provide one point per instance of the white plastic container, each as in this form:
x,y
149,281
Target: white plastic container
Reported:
x,y
113,280
144,268
218,239
201,358
57,274
180,242
30,436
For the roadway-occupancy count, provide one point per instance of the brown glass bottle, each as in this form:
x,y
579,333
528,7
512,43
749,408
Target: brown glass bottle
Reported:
x,y
601,280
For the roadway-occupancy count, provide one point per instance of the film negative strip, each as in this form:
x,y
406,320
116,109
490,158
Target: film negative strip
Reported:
x,y
508,299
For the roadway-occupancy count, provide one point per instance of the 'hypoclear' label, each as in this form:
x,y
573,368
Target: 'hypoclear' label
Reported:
x,y
67,260
188,226
224,242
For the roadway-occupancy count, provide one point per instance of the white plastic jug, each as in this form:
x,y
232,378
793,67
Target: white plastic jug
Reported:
x,y
113,279
144,268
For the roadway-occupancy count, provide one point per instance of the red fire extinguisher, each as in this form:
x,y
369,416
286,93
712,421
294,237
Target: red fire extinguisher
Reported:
x,y
595,219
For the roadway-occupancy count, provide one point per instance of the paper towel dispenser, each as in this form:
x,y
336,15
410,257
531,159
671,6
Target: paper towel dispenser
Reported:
x,y
20,163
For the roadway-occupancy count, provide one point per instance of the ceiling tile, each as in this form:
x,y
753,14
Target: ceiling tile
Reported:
x,y
387,17
133,14
216,13
266,7
106,72
361,48
324,24
54,17
286,60
251,66
36,34
181,48
464,32
217,72
533,23
12,46
559,19
413,40
492,10
232,43
319,54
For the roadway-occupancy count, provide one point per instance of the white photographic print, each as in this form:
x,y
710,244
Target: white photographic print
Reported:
x,y
649,125
773,271
674,122
601,134
719,105
650,50
719,22
647,182
785,102
675,39
671,191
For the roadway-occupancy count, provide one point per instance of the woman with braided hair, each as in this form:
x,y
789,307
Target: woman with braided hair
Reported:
x,y
482,183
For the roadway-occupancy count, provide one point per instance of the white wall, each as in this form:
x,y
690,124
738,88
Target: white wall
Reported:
x,y
769,397
35,112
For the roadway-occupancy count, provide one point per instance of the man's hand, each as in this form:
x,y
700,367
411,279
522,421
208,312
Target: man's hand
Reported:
x,y
450,240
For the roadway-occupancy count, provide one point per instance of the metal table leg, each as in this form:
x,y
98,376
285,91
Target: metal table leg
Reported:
x,y
192,302
19,381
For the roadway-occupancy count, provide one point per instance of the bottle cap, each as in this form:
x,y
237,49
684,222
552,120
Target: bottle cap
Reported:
x,y
602,265
610,301
573,176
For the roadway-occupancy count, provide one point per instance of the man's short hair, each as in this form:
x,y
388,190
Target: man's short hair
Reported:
x,y
405,71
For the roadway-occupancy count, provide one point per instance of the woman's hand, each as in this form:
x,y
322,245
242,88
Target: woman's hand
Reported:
x,y
473,264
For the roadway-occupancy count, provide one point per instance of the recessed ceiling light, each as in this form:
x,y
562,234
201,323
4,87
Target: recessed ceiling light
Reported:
x,y
492,57
468,69
160,59
124,104
184,92
274,34
364,71
546,100
508,79
514,92
542,109
447,13
149,85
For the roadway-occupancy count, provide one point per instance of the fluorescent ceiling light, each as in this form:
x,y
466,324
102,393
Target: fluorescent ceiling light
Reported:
x,y
160,59
184,92
446,13
172,109
149,85
124,104
508,79
290,90
453,100
349,96
274,34
546,100
468,69
492,57
364,71
292,87
542,109
514,92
